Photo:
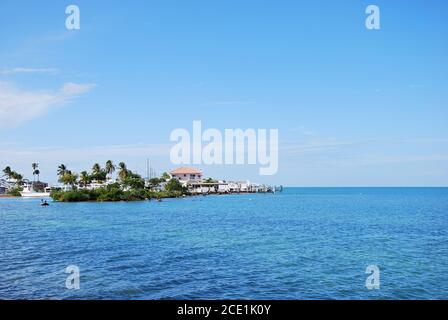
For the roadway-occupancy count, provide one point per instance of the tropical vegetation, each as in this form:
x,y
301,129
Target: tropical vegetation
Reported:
x,y
15,192
129,186
98,184
10,174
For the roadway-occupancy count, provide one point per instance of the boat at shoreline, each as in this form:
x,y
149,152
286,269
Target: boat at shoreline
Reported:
x,y
28,192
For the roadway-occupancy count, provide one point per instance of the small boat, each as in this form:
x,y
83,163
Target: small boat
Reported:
x,y
44,203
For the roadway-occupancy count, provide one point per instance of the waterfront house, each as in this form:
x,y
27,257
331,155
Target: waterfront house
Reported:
x,y
185,174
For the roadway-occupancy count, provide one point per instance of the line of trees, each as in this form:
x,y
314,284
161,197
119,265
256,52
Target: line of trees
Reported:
x,y
125,177
14,175
18,180
129,186
10,174
100,175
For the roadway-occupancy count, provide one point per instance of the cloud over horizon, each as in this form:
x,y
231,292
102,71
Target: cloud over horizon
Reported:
x,y
19,106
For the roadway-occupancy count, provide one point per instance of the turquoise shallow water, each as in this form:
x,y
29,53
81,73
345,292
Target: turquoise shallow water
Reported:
x,y
304,243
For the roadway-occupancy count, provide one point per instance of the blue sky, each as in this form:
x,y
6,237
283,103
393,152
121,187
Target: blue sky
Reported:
x,y
354,107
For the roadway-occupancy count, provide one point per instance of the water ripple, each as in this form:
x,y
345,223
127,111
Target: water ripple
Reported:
x,y
300,244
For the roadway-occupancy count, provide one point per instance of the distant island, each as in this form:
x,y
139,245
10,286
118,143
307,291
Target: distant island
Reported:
x,y
100,185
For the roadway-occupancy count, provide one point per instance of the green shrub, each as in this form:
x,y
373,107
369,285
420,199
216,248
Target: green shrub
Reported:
x,y
174,185
135,195
166,194
15,192
71,195
113,192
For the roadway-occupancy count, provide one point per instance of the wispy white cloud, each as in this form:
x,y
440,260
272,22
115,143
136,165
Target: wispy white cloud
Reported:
x,y
12,71
71,89
19,106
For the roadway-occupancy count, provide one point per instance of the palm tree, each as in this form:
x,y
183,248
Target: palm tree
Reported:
x,y
69,178
62,169
34,165
8,172
96,169
165,176
37,173
17,176
123,171
110,168
84,178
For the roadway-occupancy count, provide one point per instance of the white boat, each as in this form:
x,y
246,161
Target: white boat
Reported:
x,y
28,192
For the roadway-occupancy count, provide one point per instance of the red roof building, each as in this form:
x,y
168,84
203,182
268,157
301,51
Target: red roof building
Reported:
x,y
185,174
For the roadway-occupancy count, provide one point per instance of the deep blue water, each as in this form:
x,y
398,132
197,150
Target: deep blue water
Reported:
x,y
304,243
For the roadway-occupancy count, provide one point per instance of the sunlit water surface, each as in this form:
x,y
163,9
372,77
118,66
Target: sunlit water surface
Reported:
x,y
304,243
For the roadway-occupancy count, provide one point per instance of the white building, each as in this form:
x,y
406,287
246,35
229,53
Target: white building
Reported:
x,y
193,180
245,186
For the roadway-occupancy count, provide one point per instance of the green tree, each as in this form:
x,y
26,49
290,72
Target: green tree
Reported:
x,y
110,168
84,178
122,171
34,166
37,173
174,185
7,172
165,176
17,176
69,178
96,169
133,181
62,170
98,174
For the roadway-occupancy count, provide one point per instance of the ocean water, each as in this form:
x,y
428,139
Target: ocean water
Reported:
x,y
303,243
